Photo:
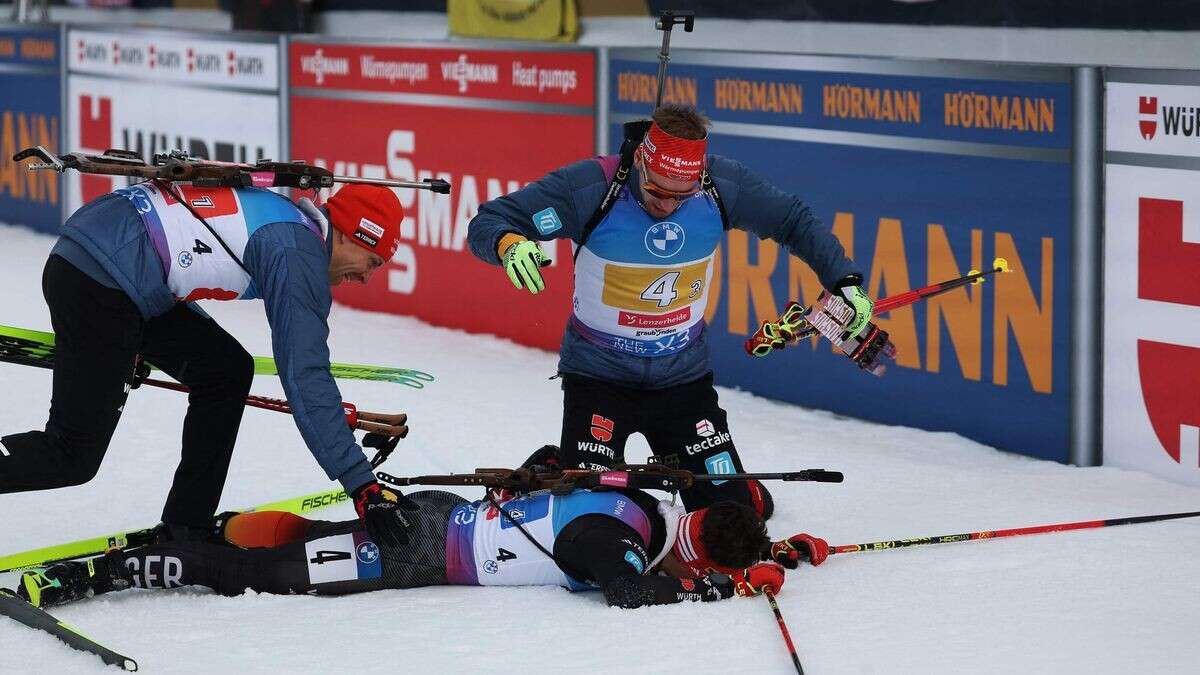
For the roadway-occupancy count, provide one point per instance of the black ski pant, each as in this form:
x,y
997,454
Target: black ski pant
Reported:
x,y
684,425
329,558
98,335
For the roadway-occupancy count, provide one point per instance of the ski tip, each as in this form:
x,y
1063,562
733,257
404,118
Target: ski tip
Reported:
x,y
1000,265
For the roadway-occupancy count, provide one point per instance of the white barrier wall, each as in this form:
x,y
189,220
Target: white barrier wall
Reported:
x,y
1152,273
213,96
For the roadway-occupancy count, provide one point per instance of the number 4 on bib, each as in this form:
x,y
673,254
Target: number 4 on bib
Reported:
x,y
662,290
505,554
201,247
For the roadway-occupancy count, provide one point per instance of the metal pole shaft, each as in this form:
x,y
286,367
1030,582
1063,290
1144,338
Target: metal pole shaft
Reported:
x,y
664,57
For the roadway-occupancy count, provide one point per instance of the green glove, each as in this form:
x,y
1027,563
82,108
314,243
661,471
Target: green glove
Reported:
x,y
521,261
856,297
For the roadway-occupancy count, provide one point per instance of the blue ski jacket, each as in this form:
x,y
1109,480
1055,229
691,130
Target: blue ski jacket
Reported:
x,y
288,265
575,191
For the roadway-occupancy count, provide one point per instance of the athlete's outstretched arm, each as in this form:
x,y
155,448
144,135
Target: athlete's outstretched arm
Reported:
x,y
607,552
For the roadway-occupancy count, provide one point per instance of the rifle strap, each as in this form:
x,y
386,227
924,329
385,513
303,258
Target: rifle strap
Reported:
x,y
634,132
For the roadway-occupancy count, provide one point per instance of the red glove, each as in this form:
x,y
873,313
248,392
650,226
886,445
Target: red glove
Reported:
x,y
753,579
800,548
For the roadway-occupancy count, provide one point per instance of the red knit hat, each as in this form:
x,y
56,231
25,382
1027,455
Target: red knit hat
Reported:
x,y
370,215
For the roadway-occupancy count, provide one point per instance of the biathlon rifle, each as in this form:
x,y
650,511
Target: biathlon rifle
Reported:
x,y
178,166
625,476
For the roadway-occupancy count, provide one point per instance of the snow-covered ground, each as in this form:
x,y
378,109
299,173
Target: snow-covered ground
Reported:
x,y
1113,600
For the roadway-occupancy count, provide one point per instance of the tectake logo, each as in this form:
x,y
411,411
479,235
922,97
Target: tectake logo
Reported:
x,y
1148,109
665,239
704,429
712,440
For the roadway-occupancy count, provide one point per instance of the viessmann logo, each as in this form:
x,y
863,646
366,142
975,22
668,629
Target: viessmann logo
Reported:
x,y
318,65
464,72
1175,120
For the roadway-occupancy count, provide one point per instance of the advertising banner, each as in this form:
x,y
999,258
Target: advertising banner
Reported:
x,y
1152,273
209,96
30,114
488,121
924,172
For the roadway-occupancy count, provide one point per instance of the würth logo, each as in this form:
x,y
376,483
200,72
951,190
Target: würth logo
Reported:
x,y
1148,109
602,428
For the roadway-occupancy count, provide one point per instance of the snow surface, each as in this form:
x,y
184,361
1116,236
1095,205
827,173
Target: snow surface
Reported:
x,y
1114,600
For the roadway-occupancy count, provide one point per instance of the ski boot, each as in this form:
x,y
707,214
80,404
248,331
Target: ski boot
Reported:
x,y
72,580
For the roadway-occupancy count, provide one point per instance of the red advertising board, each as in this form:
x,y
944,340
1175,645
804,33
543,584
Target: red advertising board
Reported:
x,y
485,151
552,77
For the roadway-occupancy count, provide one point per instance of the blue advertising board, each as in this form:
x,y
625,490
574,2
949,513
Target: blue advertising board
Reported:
x,y
924,171
30,114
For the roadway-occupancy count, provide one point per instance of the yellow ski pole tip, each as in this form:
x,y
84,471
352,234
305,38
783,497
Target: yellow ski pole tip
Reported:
x,y
1000,264
973,272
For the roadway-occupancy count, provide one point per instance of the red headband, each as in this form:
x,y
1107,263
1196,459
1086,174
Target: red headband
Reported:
x,y
672,157
690,549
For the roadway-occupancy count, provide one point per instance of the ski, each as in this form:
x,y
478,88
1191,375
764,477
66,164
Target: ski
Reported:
x,y
132,538
17,609
36,348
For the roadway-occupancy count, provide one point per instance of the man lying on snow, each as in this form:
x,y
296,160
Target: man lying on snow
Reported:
x,y
614,540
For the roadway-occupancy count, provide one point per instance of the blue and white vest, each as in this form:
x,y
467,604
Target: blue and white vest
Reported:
x,y
483,548
196,265
641,284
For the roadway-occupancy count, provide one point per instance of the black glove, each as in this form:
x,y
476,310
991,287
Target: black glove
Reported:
x,y
715,586
384,511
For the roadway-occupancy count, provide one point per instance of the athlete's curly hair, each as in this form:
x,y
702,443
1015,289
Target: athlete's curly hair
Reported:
x,y
733,534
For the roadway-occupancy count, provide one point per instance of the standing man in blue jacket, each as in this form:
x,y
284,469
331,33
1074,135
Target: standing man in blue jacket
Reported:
x,y
121,282
634,356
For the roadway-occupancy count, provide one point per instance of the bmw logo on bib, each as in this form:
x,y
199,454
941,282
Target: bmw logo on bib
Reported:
x,y
368,552
664,239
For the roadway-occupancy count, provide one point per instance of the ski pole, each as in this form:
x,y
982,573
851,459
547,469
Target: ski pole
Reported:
x,y
909,297
666,21
787,637
769,335
1014,532
357,419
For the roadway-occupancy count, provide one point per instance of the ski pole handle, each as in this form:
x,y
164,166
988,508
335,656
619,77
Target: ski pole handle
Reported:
x,y
665,22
